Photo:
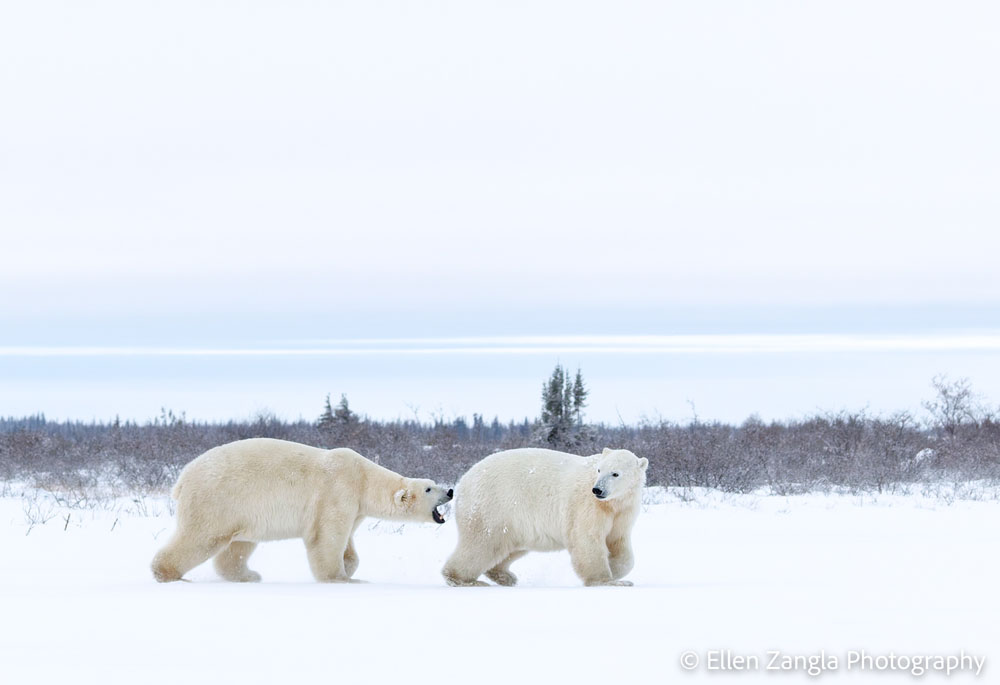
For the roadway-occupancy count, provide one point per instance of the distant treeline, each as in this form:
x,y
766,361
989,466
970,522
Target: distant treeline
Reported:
x,y
958,440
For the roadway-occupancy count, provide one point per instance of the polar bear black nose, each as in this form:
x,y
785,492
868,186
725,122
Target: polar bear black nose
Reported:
x,y
598,492
451,493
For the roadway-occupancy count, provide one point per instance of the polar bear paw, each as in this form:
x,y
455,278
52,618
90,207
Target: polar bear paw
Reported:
x,y
505,578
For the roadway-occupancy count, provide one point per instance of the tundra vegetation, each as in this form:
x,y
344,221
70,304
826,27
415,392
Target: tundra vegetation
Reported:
x,y
955,441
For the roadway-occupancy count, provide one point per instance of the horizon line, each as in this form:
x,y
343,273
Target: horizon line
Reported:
x,y
538,345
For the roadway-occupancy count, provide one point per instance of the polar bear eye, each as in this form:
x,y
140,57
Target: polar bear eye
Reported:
x,y
615,475
427,490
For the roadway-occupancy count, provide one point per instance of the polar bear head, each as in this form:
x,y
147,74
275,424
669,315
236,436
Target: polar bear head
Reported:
x,y
419,499
618,472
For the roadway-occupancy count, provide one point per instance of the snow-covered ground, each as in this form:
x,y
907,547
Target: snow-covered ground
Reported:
x,y
903,575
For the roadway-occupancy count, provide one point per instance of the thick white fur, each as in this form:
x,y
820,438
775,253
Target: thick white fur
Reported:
x,y
242,493
541,500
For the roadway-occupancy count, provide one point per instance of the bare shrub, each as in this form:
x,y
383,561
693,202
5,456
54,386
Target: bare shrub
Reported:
x,y
79,463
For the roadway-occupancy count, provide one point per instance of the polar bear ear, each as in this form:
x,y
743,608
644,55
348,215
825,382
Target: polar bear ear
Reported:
x,y
643,463
399,497
606,451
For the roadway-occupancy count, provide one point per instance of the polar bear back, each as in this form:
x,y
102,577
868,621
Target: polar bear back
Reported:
x,y
523,494
267,488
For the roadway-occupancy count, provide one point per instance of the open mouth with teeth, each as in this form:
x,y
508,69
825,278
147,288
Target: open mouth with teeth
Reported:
x,y
436,515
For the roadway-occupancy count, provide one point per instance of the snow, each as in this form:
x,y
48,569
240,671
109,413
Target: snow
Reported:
x,y
906,574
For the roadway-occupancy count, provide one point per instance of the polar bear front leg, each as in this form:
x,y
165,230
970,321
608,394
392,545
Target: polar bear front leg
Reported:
x,y
351,560
589,554
620,557
326,547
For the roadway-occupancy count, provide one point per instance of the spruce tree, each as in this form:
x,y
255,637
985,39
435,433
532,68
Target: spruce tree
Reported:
x,y
335,417
552,397
579,397
326,419
563,401
343,414
567,402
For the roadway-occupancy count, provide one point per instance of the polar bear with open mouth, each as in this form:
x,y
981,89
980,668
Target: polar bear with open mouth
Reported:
x,y
250,491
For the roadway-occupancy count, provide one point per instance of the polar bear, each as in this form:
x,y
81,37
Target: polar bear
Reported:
x,y
525,500
242,493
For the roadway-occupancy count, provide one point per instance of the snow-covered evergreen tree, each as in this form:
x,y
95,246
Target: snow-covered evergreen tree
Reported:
x,y
336,417
343,414
326,419
580,393
563,400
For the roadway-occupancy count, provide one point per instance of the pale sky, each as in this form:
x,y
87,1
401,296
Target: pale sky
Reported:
x,y
193,155
227,173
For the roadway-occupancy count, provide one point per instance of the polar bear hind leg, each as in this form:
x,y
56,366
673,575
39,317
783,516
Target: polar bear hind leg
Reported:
x,y
500,574
182,554
231,562
468,562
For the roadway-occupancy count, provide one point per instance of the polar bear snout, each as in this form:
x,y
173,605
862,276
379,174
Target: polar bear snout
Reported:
x,y
445,498
617,473
440,498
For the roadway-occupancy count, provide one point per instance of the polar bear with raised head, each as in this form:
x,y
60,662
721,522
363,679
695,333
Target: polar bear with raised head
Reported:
x,y
242,493
538,500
